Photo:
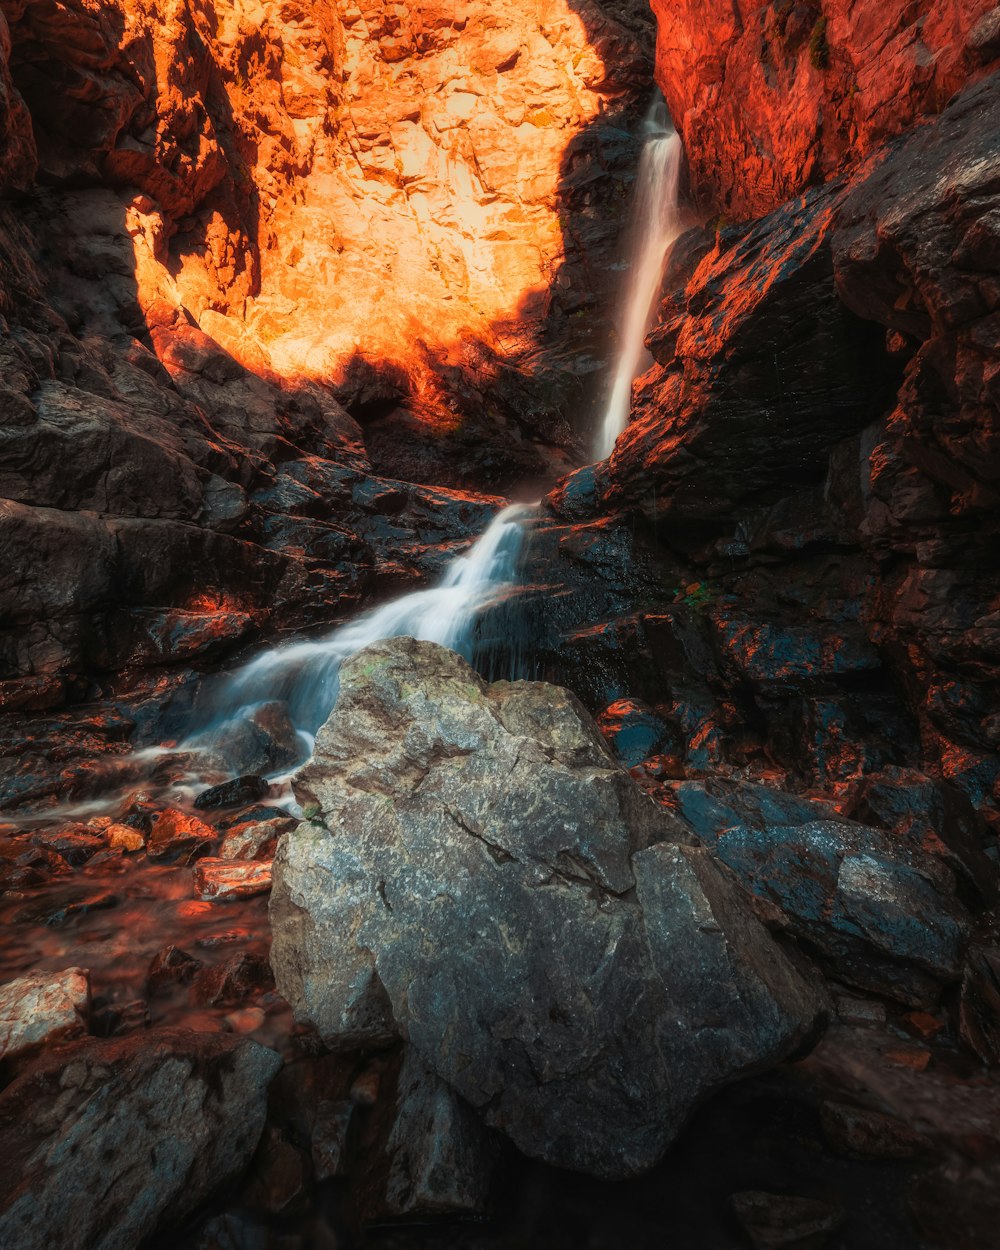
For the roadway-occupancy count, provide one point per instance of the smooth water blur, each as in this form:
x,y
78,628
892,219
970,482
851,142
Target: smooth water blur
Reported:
x,y
656,223
303,676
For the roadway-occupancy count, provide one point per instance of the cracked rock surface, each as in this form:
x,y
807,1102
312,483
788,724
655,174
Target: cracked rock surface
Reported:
x,y
480,879
106,1143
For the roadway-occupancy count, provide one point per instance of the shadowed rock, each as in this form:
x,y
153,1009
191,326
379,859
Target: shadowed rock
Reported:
x,y
481,879
108,1142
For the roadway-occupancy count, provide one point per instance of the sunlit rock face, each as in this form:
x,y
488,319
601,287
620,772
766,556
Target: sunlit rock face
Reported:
x,y
773,95
324,180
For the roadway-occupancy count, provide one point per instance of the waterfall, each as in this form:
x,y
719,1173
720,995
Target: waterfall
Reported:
x,y
303,676
298,681
656,223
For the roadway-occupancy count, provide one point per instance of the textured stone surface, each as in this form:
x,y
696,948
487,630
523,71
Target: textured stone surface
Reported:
x,y
482,880
882,913
130,1136
42,1008
182,320
773,95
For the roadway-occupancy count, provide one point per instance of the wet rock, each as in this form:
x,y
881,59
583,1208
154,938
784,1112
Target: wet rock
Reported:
x,y
231,982
169,967
634,731
774,1221
461,834
190,1106
930,816
175,831
331,1138
760,309
280,1174
255,839
42,1008
266,741
76,845
884,916
979,1006
438,1157
859,1131
241,790
218,880
65,904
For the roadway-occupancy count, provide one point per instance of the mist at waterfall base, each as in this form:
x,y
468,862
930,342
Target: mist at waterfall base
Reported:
x,y
656,224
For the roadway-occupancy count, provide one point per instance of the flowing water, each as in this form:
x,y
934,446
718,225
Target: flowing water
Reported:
x,y
656,223
111,912
303,676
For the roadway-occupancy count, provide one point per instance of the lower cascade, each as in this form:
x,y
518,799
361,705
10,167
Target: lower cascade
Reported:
x,y
302,677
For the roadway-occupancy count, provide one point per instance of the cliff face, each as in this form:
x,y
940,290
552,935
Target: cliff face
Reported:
x,y
311,183
221,224
771,96
814,450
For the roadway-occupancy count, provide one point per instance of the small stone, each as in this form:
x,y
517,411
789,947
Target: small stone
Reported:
x,y
218,880
76,845
331,1137
773,1221
123,838
143,821
41,1008
979,1007
171,966
280,1173
246,789
256,840
860,1010
858,1131
247,1020
366,1086
232,982
100,823
908,1057
175,831
923,1023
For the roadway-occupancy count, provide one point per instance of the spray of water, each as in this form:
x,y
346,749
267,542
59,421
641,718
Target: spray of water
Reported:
x,y
656,223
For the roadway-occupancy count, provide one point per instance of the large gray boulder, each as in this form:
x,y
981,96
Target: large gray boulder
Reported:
x,y
478,877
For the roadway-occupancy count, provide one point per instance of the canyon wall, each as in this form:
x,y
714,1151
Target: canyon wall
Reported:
x,y
772,96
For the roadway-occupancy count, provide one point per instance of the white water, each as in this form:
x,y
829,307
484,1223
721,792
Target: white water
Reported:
x,y
304,675
656,223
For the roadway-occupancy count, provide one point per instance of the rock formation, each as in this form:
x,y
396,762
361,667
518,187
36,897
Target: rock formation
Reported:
x,y
772,96
481,880
129,1136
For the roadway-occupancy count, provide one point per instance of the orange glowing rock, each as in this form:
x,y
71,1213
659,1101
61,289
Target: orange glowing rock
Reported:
x,y
222,879
124,838
174,831
386,183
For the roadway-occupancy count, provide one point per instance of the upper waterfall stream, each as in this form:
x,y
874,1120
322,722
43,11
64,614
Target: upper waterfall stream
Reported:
x,y
656,223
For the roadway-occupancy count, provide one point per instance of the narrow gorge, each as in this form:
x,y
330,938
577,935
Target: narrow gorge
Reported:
x,y
500,625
